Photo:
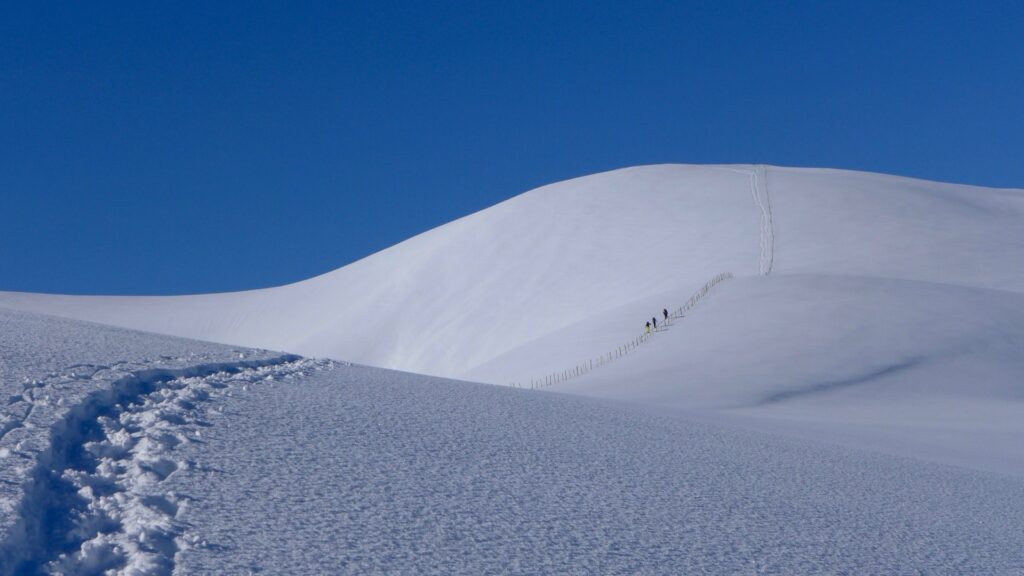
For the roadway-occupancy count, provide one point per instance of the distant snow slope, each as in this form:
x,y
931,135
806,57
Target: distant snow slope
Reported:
x,y
893,320
458,295
142,454
908,367
462,294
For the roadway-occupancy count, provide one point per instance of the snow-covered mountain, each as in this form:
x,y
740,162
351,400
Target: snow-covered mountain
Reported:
x,y
815,313
455,298
891,300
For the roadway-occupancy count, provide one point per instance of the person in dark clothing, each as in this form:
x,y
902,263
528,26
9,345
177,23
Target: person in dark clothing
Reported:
x,y
665,312
654,320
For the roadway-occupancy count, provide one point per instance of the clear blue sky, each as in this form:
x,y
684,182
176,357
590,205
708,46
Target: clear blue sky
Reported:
x,y
182,147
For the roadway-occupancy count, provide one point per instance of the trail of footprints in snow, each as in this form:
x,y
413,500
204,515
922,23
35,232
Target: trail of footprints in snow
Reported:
x,y
122,520
27,401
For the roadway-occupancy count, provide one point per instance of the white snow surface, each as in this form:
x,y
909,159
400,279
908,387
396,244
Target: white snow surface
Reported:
x,y
907,367
850,400
457,296
89,419
231,461
885,309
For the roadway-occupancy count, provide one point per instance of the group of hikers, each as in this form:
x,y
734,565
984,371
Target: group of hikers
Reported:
x,y
653,322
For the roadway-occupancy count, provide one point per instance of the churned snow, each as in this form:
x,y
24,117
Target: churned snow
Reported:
x,y
88,426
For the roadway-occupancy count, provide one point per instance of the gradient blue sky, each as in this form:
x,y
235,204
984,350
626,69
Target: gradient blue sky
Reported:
x,y
165,148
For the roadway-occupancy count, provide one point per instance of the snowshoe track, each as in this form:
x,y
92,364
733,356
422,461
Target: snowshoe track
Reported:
x,y
758,175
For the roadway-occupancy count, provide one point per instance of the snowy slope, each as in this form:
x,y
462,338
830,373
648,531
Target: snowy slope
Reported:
x,y
154,455
364,471
893,320
458,295
881,311
865,311
758,341
62,382
462,294
908,367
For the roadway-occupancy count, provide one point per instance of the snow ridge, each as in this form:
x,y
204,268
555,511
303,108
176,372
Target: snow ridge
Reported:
x,y
96,503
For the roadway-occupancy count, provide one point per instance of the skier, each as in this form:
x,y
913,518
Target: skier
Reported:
x,y
654,320
648,326
665,312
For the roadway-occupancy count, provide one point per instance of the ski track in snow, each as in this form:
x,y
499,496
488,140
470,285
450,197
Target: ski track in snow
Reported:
x,y
767,222
759,192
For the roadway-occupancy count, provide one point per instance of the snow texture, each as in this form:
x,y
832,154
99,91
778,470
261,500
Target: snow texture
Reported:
x,y
91,418
358,470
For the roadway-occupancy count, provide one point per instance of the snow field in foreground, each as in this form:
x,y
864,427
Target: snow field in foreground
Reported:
x,y
357,470
124,518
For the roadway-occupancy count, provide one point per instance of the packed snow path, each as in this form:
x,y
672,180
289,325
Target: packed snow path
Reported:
x,y
87,436
105,502
759,191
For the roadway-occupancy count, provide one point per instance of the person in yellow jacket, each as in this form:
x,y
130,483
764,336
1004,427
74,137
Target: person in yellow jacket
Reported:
x,y
648,325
